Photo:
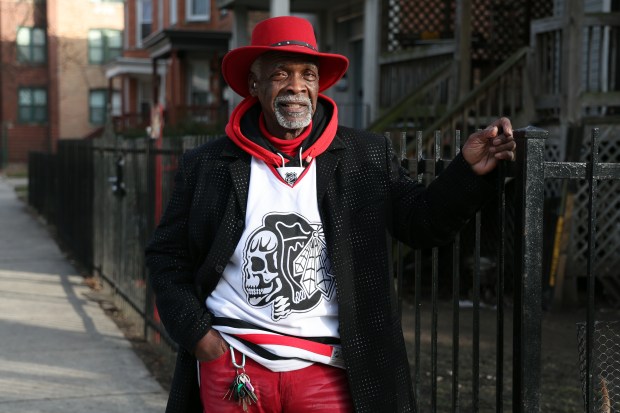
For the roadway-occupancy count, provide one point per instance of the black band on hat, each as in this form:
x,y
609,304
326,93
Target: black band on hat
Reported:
x,y
294,42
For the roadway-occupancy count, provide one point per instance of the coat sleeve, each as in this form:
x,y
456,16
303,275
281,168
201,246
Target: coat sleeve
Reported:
x,y
424,217
171,268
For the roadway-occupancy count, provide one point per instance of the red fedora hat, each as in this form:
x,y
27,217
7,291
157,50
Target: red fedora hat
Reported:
x,y
284,34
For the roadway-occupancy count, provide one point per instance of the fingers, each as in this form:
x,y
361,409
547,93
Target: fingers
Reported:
x,y
508,155
496,141
503,145
505,150
506,126
501,126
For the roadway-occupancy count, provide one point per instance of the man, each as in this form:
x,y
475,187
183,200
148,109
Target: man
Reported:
x,y
270,265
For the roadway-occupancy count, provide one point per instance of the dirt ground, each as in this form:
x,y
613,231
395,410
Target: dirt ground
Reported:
x,y
560,381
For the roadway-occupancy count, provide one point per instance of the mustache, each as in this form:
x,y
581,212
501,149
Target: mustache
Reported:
x,y
302,100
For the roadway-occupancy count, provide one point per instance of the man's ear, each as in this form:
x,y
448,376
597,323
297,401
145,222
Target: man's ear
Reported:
x,y
252,84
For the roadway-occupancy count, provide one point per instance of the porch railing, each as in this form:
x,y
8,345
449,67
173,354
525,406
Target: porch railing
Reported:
x,y
574,66
501,93
417,108
181,120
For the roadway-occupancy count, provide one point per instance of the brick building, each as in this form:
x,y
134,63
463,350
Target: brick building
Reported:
x,y
52,78
172,56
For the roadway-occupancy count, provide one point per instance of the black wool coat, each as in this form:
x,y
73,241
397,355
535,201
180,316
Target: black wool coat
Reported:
x,y
363,195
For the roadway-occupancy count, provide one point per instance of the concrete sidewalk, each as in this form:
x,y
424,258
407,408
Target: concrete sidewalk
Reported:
x,y
59,352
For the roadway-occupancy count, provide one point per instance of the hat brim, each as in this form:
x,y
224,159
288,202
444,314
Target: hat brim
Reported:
x,y
237,62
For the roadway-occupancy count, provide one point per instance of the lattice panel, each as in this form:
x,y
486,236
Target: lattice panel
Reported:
x,y
607,256
541,8
409,22
499,27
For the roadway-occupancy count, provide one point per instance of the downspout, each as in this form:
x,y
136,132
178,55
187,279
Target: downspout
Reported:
x,y
50,74
370,80
4,143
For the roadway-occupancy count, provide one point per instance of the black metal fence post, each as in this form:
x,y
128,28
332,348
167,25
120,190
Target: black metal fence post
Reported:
x,y
591,311
527,326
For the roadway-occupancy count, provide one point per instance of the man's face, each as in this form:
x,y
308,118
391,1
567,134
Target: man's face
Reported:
x,y
287,87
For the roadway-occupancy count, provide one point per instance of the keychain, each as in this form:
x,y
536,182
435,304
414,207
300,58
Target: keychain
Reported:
x,y
241,389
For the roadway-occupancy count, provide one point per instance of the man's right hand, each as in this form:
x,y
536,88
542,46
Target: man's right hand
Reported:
x,y
210,347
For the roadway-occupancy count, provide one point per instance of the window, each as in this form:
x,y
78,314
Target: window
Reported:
x,y
97,105
145,18
173,12
198,10
160,13
199,93
104,45
199,75
31,44
32,105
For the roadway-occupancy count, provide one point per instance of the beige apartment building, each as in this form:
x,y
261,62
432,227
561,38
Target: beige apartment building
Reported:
x,y
88,35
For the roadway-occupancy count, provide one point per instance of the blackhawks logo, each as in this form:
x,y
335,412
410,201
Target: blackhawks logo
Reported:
x,y
285,265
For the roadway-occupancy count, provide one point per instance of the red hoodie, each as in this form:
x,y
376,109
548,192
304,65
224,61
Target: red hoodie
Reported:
x,y
233,130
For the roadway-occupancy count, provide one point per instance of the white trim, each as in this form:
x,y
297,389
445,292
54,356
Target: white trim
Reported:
x,y
174,12
160,13
133,66
140,20
192,17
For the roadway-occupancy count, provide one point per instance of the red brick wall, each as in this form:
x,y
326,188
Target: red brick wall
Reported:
x,y
20,138
23,139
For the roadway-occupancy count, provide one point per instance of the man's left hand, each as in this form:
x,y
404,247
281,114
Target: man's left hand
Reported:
x,y
485,148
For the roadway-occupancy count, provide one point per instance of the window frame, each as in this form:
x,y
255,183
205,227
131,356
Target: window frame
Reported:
x,y
31,119
91,108
106,54
115,109
173,12
193,17
141,21
31,46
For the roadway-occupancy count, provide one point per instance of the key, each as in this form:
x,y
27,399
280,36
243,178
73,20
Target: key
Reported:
x,y
248,388
246,391
241,389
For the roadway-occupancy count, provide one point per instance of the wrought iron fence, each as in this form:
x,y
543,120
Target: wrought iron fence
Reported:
x,y
105,197
61,189
535,171
475,261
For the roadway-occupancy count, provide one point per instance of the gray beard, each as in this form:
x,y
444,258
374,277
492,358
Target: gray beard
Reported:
x,y
303,120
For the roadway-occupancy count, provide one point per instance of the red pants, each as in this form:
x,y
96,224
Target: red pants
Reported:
x,y
317,389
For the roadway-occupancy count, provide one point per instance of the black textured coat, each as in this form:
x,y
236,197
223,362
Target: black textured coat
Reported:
x,y
362,192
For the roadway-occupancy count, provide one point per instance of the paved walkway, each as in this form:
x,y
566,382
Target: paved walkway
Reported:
x,y
59,352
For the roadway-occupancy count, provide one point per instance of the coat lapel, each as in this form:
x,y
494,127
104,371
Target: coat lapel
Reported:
x,y
231,222
239,173
326,165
